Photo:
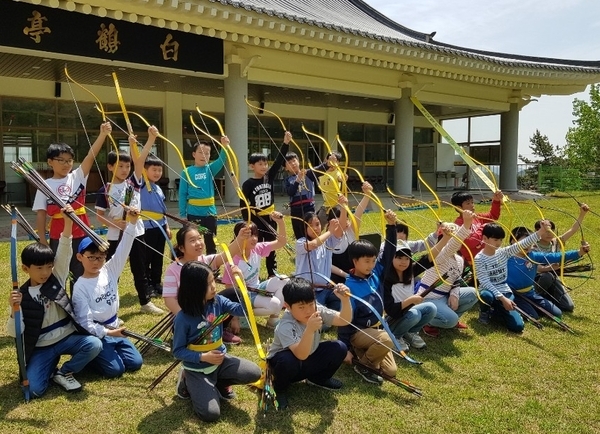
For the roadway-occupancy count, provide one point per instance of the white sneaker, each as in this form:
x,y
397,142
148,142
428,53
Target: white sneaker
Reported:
x,y
66,381
151,308
414,340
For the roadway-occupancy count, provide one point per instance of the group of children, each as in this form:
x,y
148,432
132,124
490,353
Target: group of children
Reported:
x,y
378,286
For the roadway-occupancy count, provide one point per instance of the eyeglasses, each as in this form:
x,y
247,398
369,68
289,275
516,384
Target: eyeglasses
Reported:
x,y
95,258
64,162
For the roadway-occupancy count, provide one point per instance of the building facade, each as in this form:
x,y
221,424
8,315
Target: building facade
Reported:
x,y
336,67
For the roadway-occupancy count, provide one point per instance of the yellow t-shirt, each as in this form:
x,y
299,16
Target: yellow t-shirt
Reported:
x,y
328,188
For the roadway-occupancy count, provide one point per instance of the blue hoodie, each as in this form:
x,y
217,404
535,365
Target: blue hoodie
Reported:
x,y
369,289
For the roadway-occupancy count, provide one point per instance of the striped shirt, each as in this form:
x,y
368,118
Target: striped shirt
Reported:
x,y
492,271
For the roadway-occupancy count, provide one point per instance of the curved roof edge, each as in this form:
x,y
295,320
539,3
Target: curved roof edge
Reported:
x,y
535,59
375,25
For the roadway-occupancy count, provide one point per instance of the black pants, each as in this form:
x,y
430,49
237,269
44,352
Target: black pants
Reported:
x,y
318,367
155,250
298,226
265,234
210,223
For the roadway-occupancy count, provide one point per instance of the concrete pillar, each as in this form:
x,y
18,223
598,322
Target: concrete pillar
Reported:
x,y
236,125
330,129
173,130
404,118
509,148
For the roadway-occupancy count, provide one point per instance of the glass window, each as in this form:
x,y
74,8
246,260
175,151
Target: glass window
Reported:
x,y
351,132
375,133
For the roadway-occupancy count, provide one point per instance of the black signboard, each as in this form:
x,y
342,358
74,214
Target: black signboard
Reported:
x,y
46,29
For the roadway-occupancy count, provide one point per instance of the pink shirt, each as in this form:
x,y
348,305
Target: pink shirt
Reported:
x,y
173,273
250,269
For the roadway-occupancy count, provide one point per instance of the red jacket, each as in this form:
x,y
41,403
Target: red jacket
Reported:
x,y
473,241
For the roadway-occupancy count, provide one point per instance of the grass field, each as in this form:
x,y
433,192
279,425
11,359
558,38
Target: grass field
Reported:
x,y
480,380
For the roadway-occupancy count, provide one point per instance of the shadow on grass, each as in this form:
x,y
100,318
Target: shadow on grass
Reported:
x,y
7,342
440,348
127,300
11,397
178,416
303,399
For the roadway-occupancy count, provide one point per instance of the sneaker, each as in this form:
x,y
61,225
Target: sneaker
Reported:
x,y
434,332
151,308
403,344
484,317
226,393
181,388
282,401
414,340
329,384
368,376
67,381
461,326
230,338
273,321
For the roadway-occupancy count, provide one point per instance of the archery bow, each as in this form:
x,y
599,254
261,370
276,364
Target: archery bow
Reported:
x,y
16,308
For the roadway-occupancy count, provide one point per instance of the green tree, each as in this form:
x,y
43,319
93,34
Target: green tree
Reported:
x,y
547,153
583,139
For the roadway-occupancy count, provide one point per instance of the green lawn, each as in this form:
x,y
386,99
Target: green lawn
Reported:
x,y
481,380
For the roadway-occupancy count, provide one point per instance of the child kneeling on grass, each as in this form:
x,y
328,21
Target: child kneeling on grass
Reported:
x,y
209,370
297,352
492,272
363,336
48,325
96,301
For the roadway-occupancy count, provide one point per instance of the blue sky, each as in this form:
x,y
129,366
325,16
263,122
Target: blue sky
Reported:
x,y
568,29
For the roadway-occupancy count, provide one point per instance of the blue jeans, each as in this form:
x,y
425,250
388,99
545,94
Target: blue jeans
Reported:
x,y
511,318
446,318
414,319
538,300
117,356
44,360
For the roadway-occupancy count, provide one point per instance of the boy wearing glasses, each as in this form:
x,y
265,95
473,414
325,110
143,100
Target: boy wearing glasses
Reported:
x,y
70,187
96,301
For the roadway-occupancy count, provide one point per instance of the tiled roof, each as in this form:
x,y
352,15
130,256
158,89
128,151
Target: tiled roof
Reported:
x,y
358,18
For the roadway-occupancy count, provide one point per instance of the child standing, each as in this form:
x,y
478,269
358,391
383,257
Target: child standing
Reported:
x,y
197,201
96,302
297,352
156,226
329,184
300,187
125,189
363,337
464,201
48,324
491,269
209,370
70,188
258,191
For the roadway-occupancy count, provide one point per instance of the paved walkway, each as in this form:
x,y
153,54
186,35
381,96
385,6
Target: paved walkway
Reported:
x,y
280,200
